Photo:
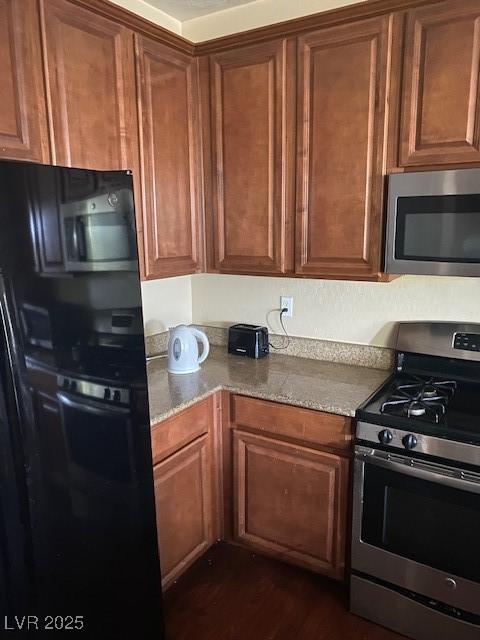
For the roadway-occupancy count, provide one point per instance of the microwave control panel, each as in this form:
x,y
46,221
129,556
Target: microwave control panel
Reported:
x,y
466,341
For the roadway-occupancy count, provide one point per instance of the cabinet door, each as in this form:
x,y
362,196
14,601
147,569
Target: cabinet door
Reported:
x,y
44,195
91,87
441,101
23,120
291,502
253,174
168,94
184,506
341,119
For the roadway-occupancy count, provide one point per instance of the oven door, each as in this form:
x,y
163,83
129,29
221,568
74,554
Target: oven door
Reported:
x,y
416,525
433,223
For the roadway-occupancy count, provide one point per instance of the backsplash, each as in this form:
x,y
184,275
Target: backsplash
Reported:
x,y
332,320
344,353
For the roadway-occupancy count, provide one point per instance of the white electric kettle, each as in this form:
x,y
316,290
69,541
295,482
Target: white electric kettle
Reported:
x,y
183,349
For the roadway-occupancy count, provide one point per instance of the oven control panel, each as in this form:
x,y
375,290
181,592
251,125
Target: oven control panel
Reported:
x,y
466,341
409,443
94,390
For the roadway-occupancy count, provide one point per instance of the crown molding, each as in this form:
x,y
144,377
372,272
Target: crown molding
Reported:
x,y
322,20
289,28
137,23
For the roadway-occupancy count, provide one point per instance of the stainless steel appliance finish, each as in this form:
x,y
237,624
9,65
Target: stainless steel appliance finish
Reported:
x,y
425,444
404,615
400,571
118,322
444,339
97,232
416,509
437,223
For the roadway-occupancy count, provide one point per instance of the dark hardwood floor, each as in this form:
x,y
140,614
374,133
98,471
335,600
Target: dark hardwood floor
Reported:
x,y
232,594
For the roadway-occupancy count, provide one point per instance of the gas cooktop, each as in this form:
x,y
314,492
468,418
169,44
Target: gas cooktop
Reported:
x,y
431,404
426,404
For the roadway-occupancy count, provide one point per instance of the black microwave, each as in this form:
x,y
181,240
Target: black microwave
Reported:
x,y
433,223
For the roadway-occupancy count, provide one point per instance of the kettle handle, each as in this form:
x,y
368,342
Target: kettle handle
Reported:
x,y
206,345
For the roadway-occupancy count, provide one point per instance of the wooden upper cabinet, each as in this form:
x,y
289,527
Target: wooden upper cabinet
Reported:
x,y
252,93
90,87
170,136
341,119
440,121
23,120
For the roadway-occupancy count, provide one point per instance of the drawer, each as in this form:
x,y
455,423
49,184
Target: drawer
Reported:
x,y
306,425
172,434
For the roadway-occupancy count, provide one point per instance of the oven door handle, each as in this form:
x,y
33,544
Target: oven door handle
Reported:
x,y
92,407
424,471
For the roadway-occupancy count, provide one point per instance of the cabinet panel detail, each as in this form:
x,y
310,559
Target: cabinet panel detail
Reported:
x,y
168,94
441,98
253,175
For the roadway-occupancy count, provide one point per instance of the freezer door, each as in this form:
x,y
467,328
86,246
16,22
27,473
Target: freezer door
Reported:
x,y
15,577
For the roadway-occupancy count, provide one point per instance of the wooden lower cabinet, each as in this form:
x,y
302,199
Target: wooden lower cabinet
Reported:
x,y
265,475
186,487
183,498
291,502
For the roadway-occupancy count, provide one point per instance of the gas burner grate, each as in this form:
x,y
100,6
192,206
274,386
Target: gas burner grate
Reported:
x,y
420,398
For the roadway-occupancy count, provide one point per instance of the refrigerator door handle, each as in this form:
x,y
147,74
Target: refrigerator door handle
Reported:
x,y
9,332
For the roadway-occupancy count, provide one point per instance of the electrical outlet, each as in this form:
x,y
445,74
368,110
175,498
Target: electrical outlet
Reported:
x,y
287,303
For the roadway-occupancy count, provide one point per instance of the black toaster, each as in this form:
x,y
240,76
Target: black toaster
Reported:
x,y
248,340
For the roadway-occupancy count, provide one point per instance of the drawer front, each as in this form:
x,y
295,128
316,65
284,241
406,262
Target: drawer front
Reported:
x,y
313,427
174,433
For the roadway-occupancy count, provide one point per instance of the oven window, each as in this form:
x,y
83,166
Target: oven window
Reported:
x,y
438,228
111,456
424,521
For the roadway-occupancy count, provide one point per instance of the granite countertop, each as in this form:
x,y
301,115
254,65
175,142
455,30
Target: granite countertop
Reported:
x,y
314,384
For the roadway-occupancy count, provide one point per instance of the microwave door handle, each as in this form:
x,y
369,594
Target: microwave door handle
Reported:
x,y
79,239
423,471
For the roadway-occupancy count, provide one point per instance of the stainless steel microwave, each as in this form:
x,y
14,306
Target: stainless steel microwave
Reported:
x,y
433,223
99,232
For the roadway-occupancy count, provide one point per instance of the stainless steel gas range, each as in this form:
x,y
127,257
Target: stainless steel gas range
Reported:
x,y
416,511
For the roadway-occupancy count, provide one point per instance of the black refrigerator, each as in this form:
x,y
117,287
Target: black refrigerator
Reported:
x,y
78,549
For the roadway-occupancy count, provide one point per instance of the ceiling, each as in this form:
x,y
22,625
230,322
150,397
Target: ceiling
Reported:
x,y
188,9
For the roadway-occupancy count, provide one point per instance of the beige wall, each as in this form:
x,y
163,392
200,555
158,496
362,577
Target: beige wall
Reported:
x,y
166,303
357,312
253,15
151,13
